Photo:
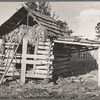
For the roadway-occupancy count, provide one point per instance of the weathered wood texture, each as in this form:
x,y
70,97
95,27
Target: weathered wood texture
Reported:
x,y
61,60
42,59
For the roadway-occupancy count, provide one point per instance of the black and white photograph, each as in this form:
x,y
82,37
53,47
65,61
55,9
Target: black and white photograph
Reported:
x,y
50,50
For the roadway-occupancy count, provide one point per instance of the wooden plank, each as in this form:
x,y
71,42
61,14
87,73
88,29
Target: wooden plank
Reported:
x,y
11,47
44,47
62,59
14,61
76,43
98,61
42,71
31,61
35,52
61,71
61,55
37,56
36,76
40,76
61,67
12,44
61,63
41,67
44,52
23,67
44,43
37,62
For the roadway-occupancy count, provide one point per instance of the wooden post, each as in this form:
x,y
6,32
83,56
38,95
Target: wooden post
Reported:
x,y
35,52
23,67
27,19
98,66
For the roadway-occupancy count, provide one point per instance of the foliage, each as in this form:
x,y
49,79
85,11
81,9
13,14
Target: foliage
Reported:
x,y
65,26
42,7
97,28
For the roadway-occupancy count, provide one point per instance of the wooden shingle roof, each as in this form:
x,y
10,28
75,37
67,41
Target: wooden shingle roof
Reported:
x,y
20,17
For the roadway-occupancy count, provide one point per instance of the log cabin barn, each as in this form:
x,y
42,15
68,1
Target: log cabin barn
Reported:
x,y
33,45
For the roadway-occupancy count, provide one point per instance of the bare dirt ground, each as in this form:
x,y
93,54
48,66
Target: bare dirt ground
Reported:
x,y
82,86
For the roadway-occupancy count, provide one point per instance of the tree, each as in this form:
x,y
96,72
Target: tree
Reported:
x,y
97,28
65,26
42,7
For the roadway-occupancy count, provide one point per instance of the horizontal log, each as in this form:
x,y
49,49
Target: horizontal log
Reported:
x,y
14,61
36,62
61,63
61,71
61,55
62,59
41,71
36,76
41,76
44,43
29,61
44,52
41,67
38,72
38,56
61,52
12,44
45,47
32,56
61,67
11,47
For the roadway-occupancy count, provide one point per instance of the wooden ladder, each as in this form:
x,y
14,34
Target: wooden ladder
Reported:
x,y
8,63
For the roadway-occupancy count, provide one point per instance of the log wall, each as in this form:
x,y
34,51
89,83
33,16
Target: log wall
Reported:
x,y
61,62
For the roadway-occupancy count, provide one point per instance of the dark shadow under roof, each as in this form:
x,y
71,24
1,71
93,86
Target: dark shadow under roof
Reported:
x,y
14,21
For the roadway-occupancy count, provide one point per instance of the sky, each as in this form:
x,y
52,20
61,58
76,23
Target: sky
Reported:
x,y
81,17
